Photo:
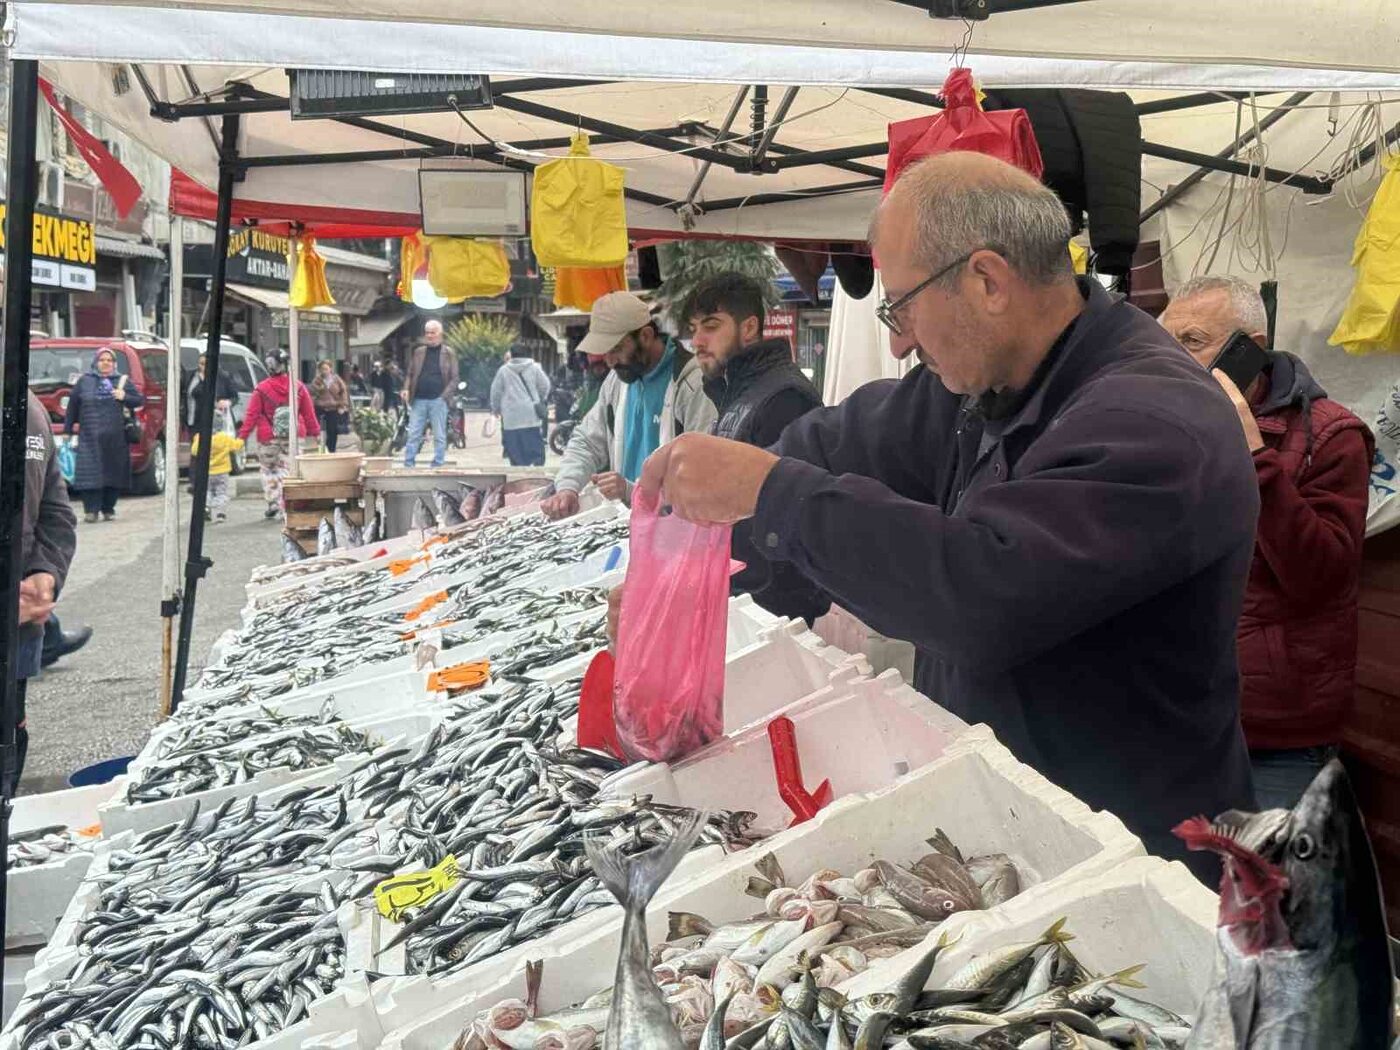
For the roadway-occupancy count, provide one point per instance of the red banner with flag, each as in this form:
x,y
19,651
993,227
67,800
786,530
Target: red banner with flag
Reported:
x,y
119,183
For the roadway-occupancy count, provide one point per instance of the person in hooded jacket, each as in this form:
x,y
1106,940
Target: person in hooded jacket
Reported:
x,y
269,414
98,406
1298,632
757,390
519,394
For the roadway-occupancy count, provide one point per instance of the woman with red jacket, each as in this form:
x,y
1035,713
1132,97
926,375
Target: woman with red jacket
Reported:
x,y
269,413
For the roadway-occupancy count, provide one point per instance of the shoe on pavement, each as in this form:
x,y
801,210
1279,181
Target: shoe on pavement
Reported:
x,y
91,519
270,513
109,515
71,642
220,517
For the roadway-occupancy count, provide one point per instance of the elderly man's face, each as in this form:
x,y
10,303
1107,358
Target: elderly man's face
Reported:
x,y
1202,323
941,324
432,333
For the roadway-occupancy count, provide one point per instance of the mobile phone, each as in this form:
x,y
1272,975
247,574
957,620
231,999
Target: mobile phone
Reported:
x,y
1242,359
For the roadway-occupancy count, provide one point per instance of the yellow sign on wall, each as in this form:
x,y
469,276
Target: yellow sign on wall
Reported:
x,y
65,250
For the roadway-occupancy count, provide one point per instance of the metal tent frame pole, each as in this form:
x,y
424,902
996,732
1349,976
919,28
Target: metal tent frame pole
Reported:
x,y
196,564
170,567
14,410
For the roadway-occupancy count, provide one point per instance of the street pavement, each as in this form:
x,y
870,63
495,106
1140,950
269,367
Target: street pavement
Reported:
x,y
102,701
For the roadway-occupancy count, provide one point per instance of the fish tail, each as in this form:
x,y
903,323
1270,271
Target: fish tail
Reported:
x,y
1055,934
1128,978
633,881
685,924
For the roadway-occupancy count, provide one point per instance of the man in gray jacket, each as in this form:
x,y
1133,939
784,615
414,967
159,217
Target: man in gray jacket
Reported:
x,y
50,537
520,398
653,395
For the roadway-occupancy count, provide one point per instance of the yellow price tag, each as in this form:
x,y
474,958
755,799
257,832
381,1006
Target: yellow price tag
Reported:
x,y
398,893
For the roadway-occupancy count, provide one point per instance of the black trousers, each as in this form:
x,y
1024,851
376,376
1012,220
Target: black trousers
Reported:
x,y
330,427
102,500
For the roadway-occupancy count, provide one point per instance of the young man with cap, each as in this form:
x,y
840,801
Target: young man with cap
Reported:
x,y
654,394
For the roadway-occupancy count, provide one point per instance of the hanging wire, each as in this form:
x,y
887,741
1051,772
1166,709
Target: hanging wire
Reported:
x,y
965,45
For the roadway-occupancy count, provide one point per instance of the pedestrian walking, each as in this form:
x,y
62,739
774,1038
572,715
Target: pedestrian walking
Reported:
x,y
49,537
385,387
224,393
432,375
99,406
332,400
221,449
269,414
357,382
520,396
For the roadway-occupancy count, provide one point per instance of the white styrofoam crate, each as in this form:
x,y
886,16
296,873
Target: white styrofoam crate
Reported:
x,y
39,895
1144,910
976,791
118,815
861,734
843,630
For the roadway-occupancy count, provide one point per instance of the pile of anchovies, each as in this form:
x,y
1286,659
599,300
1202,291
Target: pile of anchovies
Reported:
x,y
315,634
493,791
216,752
220,930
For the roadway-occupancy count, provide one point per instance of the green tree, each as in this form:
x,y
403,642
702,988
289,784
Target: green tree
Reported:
x,y
685,264
480,342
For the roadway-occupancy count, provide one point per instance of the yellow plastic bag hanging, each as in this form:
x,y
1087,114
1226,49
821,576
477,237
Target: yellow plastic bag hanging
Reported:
x,y
577,213
579,286
1079,257
462,268
309,287
411,258
1371,321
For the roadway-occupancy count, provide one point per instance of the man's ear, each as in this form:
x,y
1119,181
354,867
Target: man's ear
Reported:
x,y
751,331
1261,338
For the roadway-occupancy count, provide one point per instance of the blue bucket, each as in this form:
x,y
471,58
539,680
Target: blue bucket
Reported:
x,y
99,772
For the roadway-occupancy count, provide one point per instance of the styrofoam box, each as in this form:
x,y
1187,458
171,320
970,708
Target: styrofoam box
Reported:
x,y
861,735
118,815
38,895
842,629
1145,910
977,792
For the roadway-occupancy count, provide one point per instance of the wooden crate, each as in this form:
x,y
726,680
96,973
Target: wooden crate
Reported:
x,y
308,502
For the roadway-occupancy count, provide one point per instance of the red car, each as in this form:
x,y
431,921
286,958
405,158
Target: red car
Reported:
x,y
56,364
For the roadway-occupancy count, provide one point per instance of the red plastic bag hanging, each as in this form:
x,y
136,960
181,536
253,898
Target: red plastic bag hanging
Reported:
x,y
964,126
668,690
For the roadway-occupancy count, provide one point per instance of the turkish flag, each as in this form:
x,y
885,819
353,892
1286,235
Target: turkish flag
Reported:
x,y
119,183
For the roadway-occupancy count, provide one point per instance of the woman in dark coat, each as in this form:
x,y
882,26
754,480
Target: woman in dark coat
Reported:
x,y
97,405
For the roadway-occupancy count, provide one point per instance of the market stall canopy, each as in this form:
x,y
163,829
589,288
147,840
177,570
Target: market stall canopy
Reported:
x,y
654,85
1279,45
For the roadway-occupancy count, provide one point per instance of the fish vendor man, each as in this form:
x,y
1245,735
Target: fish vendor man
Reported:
x,y
1057,507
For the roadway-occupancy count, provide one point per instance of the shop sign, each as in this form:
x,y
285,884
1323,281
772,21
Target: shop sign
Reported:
x,y
65,251
254,258
781,324
308,320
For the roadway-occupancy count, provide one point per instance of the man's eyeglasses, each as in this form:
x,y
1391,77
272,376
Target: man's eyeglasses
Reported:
x,y
888,311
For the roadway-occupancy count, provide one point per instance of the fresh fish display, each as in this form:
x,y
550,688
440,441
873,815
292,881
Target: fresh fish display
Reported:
x,y
210,753
291,550
28,849
374,529
211,932
1303,958
718,981
243,897
325,538
491,788
423,516
471,503
445,508
317,632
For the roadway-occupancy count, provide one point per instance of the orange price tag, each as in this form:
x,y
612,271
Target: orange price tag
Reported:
x,y
460,676
425,605
402,565
429,544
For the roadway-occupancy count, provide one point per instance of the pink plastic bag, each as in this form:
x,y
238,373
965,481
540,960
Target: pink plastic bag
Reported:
x,y
668,692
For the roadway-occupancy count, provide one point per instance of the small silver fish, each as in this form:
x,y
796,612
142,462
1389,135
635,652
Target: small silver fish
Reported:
x,y
291,550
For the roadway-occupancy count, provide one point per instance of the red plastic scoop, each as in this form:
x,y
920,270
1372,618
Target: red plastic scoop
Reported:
x,y
596,729
787,767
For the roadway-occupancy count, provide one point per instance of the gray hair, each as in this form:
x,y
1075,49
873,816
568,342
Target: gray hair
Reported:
x,y
1010,213
1246,303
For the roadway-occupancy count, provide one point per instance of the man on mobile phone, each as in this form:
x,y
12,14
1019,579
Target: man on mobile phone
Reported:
x,y
1297,635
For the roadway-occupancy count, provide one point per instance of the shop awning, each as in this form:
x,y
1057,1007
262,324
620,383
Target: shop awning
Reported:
x,y
274,299
124,249
374,330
